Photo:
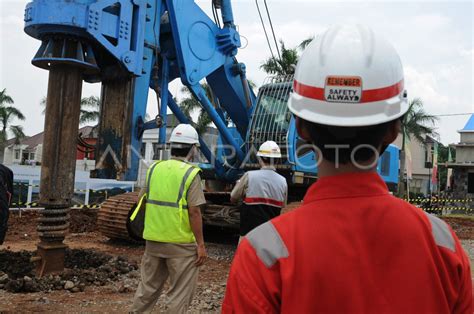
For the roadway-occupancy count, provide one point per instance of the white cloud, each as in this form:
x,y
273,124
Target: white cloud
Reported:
x,y
425,85
431,22
12,20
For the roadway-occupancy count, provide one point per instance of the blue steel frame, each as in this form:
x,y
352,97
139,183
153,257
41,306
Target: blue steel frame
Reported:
x,y
184,42
174,34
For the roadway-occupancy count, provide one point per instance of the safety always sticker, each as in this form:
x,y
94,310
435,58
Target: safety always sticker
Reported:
x,y
343,89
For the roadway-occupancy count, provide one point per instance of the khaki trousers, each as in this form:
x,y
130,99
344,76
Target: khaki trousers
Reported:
x,y
155,270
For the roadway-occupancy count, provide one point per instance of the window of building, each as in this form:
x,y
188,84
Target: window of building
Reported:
x,y
17,154
156,152
143,151
32,156
470,182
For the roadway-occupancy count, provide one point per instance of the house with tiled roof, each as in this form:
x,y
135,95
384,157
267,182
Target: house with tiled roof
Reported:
x,y
28,151
463,166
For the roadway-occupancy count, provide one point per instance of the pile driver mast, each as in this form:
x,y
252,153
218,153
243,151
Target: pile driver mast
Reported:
x,y
129,46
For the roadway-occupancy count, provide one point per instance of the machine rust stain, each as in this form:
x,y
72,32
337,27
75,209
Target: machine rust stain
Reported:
x,y
114,127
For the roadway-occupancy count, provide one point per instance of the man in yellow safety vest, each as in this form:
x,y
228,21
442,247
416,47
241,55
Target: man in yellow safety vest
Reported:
x,y
173,227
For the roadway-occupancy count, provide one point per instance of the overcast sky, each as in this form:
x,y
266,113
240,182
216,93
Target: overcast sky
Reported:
x,y
434,40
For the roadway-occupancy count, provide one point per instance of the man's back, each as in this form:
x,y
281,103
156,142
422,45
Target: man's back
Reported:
x,y
266,186
351,248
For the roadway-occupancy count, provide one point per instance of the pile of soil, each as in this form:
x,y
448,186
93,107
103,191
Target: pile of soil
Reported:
x,y
83,268
462,226
83,220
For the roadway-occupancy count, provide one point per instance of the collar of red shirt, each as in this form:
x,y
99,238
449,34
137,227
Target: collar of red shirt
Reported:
x,y
346,185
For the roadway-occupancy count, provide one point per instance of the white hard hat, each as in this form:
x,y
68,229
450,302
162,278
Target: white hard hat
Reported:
x,y
184,134
349,77
269,149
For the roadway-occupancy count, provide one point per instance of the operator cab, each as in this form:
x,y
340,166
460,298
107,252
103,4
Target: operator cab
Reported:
x,y
272,120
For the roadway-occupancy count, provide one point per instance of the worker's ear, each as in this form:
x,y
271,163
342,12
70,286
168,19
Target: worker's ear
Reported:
x,y
302,130
392,132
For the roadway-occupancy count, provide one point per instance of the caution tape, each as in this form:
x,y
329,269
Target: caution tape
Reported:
x,y
37,186
35,204
449,200
447,208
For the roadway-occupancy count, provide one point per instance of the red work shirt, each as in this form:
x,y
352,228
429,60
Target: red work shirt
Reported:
x,y
351,248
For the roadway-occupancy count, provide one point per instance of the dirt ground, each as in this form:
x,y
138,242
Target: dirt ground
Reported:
x,y
115,295
112,296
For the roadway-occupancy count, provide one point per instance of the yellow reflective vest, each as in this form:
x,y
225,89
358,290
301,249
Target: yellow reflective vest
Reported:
x,y
166,213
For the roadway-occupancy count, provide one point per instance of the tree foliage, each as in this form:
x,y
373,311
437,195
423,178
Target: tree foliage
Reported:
x,y
416,124
190,104
90,109
8,113
289,58
283,66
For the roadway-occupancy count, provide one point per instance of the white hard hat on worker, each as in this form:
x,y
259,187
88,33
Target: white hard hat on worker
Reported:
x,y
184,134
269,149
349,77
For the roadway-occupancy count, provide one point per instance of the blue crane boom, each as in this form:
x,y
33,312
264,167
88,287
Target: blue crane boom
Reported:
x,y
131,46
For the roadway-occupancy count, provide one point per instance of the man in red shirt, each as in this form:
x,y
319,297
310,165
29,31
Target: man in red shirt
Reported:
x,y
351,247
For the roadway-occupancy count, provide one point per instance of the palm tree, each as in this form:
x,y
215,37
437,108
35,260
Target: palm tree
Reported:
x,y
189,104
90,109
93,114
283,66
289,58
416,124
5,99
302,46
7,115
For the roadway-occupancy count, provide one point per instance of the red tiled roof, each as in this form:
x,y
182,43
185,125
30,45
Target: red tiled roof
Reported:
x,y
35,140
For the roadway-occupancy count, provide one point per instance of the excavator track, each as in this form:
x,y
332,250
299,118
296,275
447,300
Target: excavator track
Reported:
x,y
113,214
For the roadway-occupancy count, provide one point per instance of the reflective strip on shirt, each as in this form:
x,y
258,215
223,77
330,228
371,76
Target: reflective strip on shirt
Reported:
x,y
149,178
167,204
267,243
441,233
183,183
266,187
263,201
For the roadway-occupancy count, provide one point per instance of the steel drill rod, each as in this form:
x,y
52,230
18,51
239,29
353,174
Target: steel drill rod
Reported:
x,y
63,104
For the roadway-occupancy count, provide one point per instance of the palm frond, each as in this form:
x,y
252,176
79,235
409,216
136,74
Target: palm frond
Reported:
x,y
91,102
417,123
15,113
18,133
202,123
302,46
89,116
43,104
283,66
5,98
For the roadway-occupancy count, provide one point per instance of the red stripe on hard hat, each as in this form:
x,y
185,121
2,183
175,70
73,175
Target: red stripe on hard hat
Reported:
x,y
308,91
368,95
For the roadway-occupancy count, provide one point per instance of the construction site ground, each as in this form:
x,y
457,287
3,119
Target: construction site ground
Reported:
x,y
102,274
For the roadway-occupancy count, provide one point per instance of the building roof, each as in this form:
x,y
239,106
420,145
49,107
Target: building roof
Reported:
x,y
88,131
37,139
469,127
